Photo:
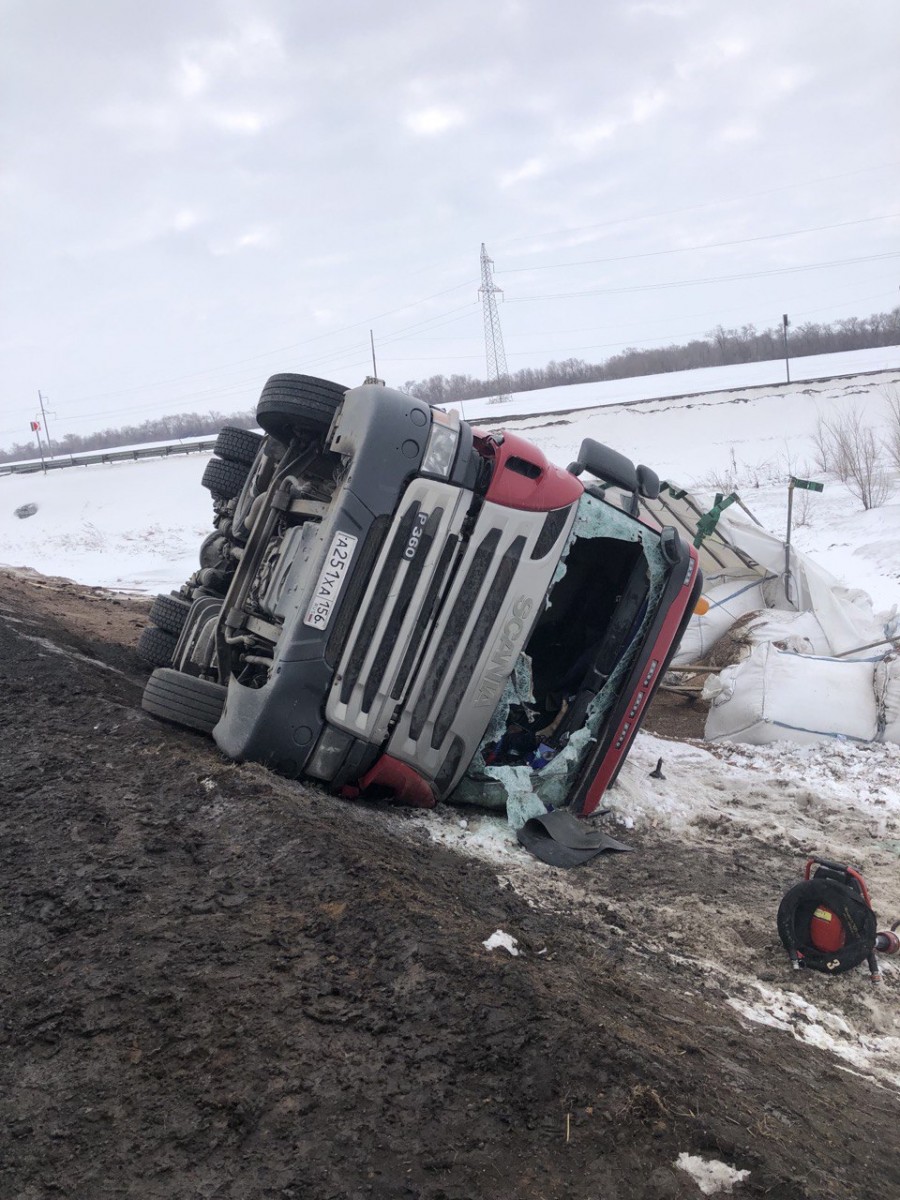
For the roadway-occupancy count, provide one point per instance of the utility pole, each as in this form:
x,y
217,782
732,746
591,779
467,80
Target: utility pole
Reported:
x,y
787,362
493,336
46,427
373,378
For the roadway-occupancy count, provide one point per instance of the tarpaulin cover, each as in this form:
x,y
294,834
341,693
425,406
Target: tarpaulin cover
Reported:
x,y
738,552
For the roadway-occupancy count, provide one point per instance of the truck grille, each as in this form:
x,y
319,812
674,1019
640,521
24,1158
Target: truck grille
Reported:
x,y
401,601
428,655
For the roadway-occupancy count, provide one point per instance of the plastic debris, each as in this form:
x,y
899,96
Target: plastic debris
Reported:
x,y
503,940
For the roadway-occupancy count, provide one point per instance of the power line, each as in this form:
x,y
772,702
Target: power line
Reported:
x,y
267,353
669,212
765,237
653,287
251,379
716,313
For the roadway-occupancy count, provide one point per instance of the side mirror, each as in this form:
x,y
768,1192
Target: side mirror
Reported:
x,y
648,482
607,465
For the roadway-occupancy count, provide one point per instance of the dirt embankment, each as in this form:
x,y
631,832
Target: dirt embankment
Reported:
x,y
217,983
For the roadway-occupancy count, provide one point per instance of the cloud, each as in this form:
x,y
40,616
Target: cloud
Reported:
x,y
259,238
660,8
193,79
711,55
532,168
437,119
247,52
228,138
185,219
155,117
740,131
584,140
791,78
237,122
648,104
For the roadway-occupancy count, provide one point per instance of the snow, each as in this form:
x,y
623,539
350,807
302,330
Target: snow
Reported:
x,y
684,383
132,526
136,527
869,1054
710,1175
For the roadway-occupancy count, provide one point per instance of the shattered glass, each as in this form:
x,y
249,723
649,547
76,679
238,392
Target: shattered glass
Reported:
x,y
525,792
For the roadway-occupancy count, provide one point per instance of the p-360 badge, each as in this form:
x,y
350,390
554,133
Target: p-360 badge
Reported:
x,y
416,536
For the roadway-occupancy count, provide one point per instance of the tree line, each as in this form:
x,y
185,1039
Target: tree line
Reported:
x,y
719,347
157,429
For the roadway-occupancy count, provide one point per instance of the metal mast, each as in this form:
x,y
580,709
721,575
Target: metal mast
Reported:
x,y
493,336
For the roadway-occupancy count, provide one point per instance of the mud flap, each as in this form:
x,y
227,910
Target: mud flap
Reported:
x,y
561,840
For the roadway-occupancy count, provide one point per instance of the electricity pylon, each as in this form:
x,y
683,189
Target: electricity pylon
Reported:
x,y
493,336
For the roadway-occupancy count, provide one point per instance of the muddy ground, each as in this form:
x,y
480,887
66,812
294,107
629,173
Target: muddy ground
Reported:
x,y
220,984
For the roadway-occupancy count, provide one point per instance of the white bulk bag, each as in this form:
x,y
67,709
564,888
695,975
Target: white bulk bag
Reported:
x,y
775,696
799,632
727,602
887,686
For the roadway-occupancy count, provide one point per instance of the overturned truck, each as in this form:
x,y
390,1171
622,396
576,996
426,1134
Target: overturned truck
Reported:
x,y
398,604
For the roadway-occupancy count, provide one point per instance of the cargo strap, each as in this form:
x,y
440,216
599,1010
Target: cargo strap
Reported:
x,y
708,522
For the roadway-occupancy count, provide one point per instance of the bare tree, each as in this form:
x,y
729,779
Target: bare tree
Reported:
x,y
824,448
892,440
855,454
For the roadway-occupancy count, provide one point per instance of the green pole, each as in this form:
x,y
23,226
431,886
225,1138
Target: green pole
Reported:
x,y
787,544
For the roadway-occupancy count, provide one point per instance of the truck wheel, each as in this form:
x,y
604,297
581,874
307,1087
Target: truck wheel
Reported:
x,y
184,699
297,404
169,613
224,479
156,646
238,445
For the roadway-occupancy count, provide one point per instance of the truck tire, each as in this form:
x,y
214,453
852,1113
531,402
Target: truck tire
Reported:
x,y
184,699
297,404
238,445
169,613
224,479
156,646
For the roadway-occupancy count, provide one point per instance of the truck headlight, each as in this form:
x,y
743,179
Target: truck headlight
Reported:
x,y
440,449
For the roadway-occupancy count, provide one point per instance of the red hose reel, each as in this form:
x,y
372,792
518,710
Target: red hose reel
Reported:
x,y
826,922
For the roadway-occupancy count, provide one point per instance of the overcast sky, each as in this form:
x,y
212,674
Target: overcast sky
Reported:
x,y
196,195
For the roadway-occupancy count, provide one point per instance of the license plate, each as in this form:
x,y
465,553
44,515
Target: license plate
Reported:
x,y
331,580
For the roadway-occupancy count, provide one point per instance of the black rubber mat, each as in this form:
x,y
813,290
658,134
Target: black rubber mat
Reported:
x,y
561,840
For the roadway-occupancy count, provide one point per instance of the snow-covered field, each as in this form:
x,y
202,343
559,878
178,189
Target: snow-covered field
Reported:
x,y
683,383
136,527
